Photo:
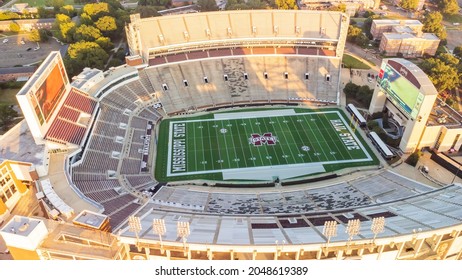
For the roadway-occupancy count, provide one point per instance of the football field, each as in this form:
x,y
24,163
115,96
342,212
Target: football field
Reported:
x,y
258,145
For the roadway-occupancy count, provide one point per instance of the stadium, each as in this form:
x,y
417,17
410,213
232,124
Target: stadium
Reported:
x,y
221,138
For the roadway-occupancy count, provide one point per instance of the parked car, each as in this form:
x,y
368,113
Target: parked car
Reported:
x,y
5,41
29,49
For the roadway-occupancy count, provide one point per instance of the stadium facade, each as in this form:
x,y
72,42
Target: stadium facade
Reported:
x,y
99,133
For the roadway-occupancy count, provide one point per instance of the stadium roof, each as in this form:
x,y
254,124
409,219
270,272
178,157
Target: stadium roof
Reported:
x,y
155,32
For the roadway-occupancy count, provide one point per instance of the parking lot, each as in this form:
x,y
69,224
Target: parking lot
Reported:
x,y
18,50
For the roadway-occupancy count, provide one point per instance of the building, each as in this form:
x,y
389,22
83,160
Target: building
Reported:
x,y
352,6
28,24
380,26
404,37
16,73
408,44
15,180
410,100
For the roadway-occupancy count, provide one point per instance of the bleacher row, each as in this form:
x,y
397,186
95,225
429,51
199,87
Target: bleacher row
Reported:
x,y
200,84
65,127
238,51
380,188
96,175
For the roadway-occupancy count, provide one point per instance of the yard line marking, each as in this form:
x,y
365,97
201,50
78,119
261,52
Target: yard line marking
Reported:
x,y
226,145
286,139
259,152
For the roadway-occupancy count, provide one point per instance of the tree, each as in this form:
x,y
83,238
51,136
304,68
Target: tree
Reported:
x,y
67,10
86,33
105,43
85,54
364,94
433,23
45,13
449,7
56,4
458,51
148,11
351,89
409,4
44,35
14,27
106,24
353,33
34,36
7,115
286,4
413,158
449,59
207,5
66,31
96,10
443,76
86,19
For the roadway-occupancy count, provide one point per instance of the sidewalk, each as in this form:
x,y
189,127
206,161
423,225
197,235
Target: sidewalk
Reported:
x,y
436,172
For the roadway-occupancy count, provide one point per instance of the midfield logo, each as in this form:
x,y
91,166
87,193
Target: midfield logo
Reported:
x,y
267,138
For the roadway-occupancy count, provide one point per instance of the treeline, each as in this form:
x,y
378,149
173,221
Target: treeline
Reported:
x,y
91,38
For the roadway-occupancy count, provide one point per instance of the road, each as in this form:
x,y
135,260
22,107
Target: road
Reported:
x,y
364,55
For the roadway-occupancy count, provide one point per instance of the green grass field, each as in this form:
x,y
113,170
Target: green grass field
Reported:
x,y
352,62
258,145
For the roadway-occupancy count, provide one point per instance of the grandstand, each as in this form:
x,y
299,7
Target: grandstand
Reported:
x,y
109,122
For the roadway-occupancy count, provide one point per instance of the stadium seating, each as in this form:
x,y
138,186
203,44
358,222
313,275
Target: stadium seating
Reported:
x,y
195,85
385,186
66,128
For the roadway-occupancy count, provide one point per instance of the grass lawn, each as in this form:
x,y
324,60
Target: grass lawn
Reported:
x,y
351,62
258,144
41,3
8,96
453,18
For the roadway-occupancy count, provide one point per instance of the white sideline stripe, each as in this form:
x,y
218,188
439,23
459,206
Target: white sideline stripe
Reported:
x,y
243,169
268,172
255,114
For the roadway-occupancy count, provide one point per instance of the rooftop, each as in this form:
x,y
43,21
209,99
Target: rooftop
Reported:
x,y
19,145
90,219
78,241
21,225
407,22
111,77
87,74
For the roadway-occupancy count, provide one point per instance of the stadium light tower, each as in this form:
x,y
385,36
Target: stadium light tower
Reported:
x,y
158,226
183,231
352,229
330,230
135,226
378,225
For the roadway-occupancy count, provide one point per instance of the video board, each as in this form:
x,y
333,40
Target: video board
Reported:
x,y
49,93
400,90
